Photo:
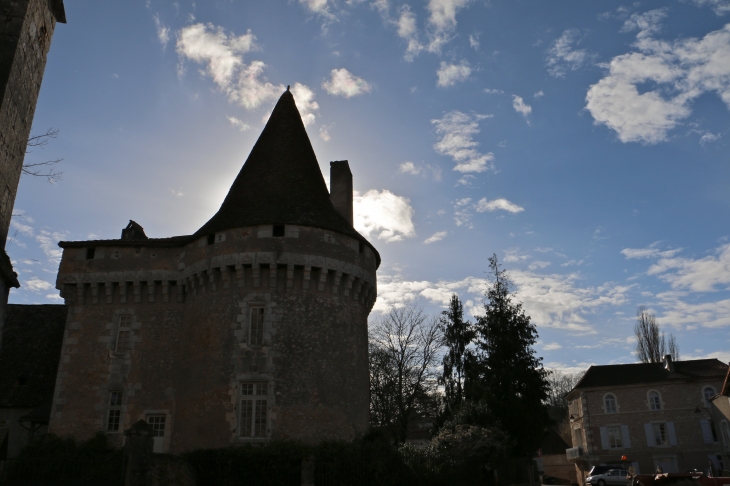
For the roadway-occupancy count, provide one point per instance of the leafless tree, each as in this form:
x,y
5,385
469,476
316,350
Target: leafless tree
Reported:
x,y
404,355
651,343
42,169
560,385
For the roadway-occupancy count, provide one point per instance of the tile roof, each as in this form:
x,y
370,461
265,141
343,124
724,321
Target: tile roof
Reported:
x,y
281,182
637,373
29,354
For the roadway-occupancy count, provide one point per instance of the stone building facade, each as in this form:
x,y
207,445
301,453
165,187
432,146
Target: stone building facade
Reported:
x,y
26,28
655,414
253,328
720,407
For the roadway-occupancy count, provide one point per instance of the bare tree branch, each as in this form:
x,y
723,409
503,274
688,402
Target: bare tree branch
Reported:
x,y
651,344
43,169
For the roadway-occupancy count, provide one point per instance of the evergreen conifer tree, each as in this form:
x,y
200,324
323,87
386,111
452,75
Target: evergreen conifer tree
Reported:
x,y
458,334
505,374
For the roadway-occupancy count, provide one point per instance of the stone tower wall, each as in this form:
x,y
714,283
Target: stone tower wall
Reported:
x,y
26,28
191,307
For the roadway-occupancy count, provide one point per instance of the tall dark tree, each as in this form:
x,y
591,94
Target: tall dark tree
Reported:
x,y
651,343
512,382
458,334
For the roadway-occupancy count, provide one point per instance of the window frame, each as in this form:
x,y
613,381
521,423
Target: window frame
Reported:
x,y
114,419
124,327
259,332
705,398
658,403
606,398
255,426
725,432
661,436
615,441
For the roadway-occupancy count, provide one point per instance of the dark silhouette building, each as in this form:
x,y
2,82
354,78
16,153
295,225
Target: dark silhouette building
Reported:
x,y
253,328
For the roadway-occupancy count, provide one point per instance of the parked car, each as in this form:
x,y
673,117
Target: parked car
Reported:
x,y
612,477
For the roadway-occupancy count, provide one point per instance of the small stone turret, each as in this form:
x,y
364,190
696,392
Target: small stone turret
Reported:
x,y
341,188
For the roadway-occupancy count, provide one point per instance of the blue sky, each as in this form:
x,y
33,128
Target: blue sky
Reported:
x,y
585,143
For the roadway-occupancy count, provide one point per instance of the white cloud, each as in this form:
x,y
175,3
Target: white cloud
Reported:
x,y
675,74
436,237
474,41
497,204
48,242
450,74
520,106
457,130
163,32
720,7
23,229
539,94
343,83
54,297
679,313
570,263
552,347
304,98
408,167
646,23
538,265
176,192
697,275
244,84
384,214
324,134
709,137
406,28
319,7
493,91
37,285
551,300
649,252
239,124
442,21
563,57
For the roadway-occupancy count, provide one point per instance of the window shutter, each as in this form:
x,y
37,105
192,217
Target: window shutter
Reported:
x,y
625,439
706,431
649,435
671,433
604,439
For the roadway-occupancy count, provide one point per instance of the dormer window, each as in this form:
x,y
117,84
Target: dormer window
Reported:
x,y
609,403
278,231
707,393
90,252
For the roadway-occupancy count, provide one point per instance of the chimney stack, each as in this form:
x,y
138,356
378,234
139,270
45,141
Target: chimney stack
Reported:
x,y
668,363
341,188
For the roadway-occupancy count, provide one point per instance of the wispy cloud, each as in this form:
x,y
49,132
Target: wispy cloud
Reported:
x,y
457,130
442,21
563,56
497,204
720,7
450,74
343,83
163,32
435,237
239,124
520,106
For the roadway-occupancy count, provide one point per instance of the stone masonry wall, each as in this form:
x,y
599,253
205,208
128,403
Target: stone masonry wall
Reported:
x,y
191,310
679,402
26,28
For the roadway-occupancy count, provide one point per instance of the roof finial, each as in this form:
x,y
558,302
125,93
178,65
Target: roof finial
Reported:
x,y
287,87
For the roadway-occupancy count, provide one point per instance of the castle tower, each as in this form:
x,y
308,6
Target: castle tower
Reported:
x,y
253,328
25,37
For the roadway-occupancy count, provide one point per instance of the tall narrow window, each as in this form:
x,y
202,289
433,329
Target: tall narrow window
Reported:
x,y
660,434
157,422
124,334
256,328
610,403
253,409
655,402
707,393
614,436
115,411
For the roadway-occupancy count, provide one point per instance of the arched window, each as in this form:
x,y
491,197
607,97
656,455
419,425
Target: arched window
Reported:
x,y
655,400
707,393
609,403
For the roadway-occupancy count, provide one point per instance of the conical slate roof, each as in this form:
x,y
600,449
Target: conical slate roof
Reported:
x,y
280,182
